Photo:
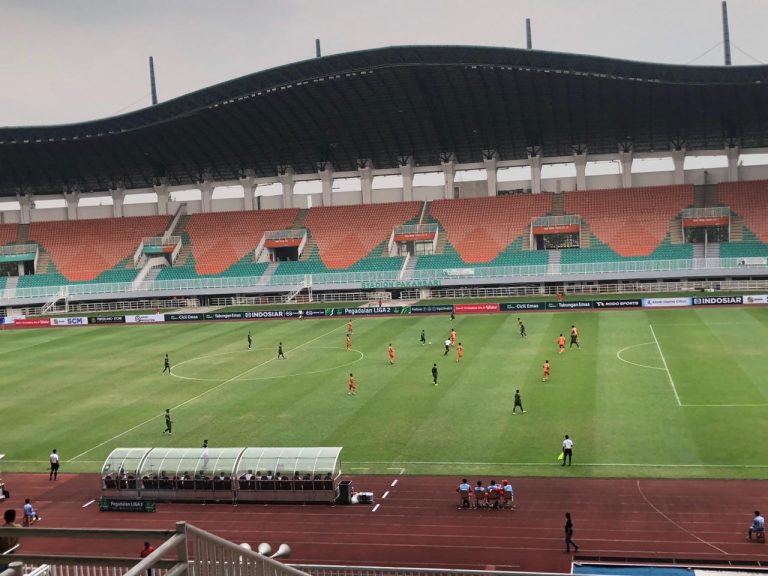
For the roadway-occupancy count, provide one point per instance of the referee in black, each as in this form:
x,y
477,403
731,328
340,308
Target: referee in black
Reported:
x,y
434,374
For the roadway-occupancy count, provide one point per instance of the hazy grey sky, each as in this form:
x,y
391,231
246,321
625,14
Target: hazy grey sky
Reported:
x,y
71,60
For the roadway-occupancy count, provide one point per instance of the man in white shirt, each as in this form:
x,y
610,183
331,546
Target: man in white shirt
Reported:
x,y
567,450
758,525
54,458
447,346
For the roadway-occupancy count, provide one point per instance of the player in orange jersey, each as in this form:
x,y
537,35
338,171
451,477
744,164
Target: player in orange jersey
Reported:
x,y
574,337
459,352
350,330
546,371
561,343
352,385
349,343
391,351
453,337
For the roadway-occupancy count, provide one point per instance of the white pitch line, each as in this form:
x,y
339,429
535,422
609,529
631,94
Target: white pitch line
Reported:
x,y
375,507
683,528
147,421
664,361
383,496
394,483
88,503
402,470
618,355
594,464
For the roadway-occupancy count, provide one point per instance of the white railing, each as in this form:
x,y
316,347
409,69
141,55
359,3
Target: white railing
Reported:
x,y
391,244
328,570
161,241
257,253
564,220
328,278
286,234
138,255
709,212
430,228
14,249
176,217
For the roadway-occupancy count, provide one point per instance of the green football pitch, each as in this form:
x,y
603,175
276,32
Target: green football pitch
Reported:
x,y
667,393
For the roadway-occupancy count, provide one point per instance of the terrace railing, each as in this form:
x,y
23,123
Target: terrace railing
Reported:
x,y
564,220
13,249
709,212
391,277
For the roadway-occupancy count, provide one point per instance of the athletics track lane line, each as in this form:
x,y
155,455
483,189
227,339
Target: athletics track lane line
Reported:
x,y
200,395
683,528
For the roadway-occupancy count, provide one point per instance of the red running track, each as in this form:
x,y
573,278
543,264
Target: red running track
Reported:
x,y
418,524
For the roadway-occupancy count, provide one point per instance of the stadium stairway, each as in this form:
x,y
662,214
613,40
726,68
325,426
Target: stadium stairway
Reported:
x,y
585,237
553,265
409,268
10,286
712,250
676,230
152,274
22,236
737,228
267,275
558,206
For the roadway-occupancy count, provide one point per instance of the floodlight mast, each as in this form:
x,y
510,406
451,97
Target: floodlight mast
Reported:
x,y
726,35
528,40
152,80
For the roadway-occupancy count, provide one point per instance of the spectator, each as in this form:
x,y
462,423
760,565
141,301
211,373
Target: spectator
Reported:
x,y
758,525
8,543
464,491
30,516
146,551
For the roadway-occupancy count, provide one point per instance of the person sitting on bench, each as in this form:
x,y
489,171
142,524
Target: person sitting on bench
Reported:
x,y
758,527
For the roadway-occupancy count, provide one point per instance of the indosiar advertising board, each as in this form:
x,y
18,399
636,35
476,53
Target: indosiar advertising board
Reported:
x,y
717,300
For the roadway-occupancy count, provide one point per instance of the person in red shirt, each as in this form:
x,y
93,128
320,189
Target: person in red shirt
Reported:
x,y
349,343
561,343
453,337
391,354
546,371
146,551
459,352
349,327
352,385
559,296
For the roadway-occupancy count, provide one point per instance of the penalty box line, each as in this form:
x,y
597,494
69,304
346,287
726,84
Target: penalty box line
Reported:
x,y
153,418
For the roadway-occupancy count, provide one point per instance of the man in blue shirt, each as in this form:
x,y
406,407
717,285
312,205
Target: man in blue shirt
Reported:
x,y
758,525
464,491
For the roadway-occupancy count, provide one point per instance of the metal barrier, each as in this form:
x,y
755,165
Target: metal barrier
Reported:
x,y
322,570
191,550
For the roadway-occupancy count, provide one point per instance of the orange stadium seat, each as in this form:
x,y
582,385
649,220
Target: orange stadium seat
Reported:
x,y
83,249
480,228
8,233
345,234
750,201
221,239
632,221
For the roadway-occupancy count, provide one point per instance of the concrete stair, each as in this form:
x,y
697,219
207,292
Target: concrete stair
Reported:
x,y
181,225
558,204
309,248
737,229
301,217
442,238
553,264
10,287
152,274
705,195
407,273
585,238
713,250
267,276
676,230
527,238
22,236
43,262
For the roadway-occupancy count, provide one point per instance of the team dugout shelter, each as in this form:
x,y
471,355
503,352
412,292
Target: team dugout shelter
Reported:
x,y
309,474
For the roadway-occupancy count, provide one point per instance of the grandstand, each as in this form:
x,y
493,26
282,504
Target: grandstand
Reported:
x,y
493,231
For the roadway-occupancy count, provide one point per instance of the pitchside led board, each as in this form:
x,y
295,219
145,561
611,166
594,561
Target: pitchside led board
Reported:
x,y
471,308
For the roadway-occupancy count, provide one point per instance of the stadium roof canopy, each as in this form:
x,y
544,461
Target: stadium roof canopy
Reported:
x,y
420,102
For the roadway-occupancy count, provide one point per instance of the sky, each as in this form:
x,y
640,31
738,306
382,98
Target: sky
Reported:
x,y
64,61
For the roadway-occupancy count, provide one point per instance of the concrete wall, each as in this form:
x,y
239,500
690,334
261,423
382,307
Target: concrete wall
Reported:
x,y
384,195
428,193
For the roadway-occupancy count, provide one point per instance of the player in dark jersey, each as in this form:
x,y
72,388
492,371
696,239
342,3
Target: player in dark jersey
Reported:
x,y
518,402
166,365
168,421
434,374
523,334
280,351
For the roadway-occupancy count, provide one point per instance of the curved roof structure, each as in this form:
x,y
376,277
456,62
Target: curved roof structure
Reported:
x,y
388,104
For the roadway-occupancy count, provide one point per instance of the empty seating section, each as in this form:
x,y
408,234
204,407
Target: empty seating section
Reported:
x,y
220,239
8,233
83,249
480,228
245,268
750,201
600,252
743,250
632,221
345,234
